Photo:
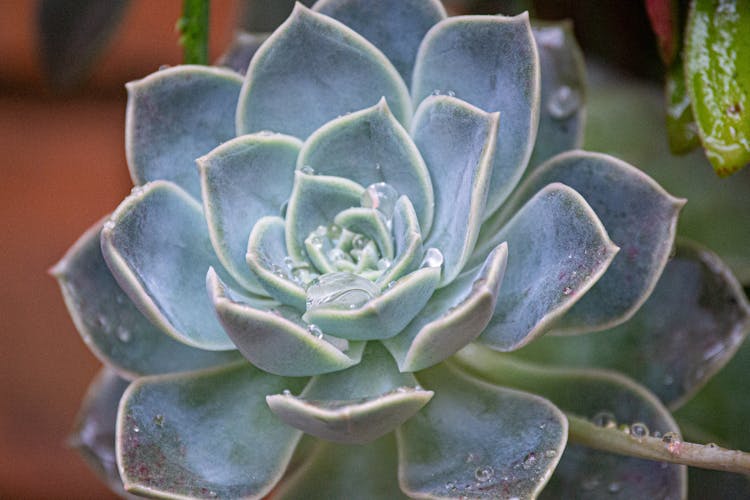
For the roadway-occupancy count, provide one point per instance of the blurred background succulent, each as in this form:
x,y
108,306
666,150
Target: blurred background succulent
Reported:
x,y
388,207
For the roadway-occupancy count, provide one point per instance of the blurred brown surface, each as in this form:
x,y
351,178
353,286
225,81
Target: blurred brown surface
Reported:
x,y
62,168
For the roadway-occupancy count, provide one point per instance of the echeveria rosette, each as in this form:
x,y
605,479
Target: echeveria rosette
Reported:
x,y
352,223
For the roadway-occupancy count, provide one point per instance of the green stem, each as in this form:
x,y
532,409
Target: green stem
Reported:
x,y
666,449
193,29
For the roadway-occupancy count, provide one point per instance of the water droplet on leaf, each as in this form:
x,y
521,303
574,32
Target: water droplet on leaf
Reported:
x,y
563,102
484,474
639,429
340,289
432,258
604,419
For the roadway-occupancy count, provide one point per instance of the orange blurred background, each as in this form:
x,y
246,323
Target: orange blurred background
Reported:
x,y
63,167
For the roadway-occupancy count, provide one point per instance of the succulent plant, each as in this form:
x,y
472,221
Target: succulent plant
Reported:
x,y
357,261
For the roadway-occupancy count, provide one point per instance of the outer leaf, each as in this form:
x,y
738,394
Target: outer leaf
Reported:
x,y
174,116
277,340
383,316
357,405
453,317
717,73
370,146
112,326
205,434
311,70
243,180
492,63
156,245
457,141
640,217
266,250
73,35
365,472
635,104
94,431
315,201
691,325
585,472
394,26
479,440
563,75
558,250
241,50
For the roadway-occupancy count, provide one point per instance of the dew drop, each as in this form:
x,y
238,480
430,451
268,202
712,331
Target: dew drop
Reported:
x,y
136,429
590,483
550,453
450,93
450,486
436,92
604,419
669,437
380,196
713,446
359,242
307,169
315,331
123,334
529,460
656,434
159,420
567,290
286,392
563,102
340,289
432,258
639,430
484,474
614,487
383,264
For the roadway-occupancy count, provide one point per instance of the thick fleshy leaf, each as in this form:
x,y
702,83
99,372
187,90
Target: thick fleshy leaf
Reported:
x,y
364,472
241,50
453,317
407,240
73,35
608,398
371,146
383,316
665,19
243,180
94,431
368,222
640,217
557,250
457,142
478,440
266,251
315,201
396,27
562,112
311,70
717,74
277,340
492,63
635,103
174,116
690,326
357,405
204,434
111,325
157,246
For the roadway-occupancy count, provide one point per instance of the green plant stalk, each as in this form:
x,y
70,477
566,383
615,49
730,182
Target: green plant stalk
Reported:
x,y
193,29
665,449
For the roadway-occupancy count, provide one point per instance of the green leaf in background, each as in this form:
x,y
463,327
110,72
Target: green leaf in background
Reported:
x,y
72,34
193,29
717,74
682,130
